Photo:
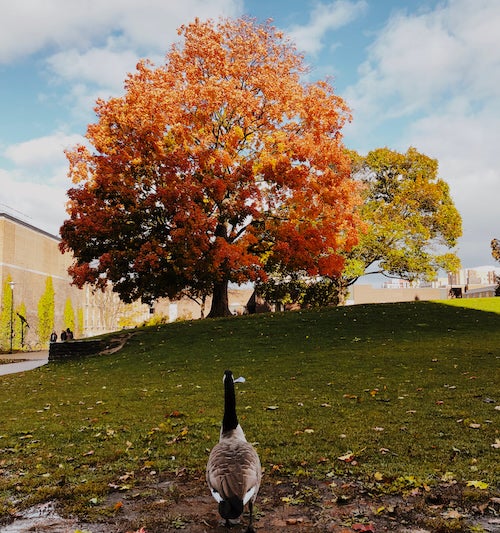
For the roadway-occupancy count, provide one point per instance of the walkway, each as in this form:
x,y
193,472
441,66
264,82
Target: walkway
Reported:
x,y
27,361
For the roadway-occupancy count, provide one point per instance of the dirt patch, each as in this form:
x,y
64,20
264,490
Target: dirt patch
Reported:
x,y
183,503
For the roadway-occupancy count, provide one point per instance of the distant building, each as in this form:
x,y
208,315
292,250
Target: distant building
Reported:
x,y
478,282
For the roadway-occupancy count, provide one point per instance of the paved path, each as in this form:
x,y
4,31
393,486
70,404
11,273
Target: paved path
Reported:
x,y
27,361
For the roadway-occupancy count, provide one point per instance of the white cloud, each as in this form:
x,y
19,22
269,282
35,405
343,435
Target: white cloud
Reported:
x,y
40,204
326,17
42,152
28,26
101,66
423,61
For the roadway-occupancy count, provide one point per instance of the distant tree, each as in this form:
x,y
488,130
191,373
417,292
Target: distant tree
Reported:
x,y
411,222
495,249
495,252
69,315
46,312
213,168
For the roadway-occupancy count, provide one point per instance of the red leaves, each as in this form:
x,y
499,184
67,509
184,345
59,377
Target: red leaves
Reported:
x,y
211,168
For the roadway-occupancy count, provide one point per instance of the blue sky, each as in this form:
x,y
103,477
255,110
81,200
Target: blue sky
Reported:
x,y
423,73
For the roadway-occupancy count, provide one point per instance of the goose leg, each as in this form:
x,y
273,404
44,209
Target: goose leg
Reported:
x,y
250,528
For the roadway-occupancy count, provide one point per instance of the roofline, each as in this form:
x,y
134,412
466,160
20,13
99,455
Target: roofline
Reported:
x,y
28,225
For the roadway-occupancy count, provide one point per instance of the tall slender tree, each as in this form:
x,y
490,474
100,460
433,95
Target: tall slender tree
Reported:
x,y
212,168
46,312
69,315
6,313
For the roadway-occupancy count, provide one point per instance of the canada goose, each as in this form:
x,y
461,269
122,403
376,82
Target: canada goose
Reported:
x,y
233,468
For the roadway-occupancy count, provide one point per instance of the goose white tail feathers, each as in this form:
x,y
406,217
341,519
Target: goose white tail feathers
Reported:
x,y
233,469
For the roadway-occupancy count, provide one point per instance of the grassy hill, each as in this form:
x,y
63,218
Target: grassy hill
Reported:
x,y
396,395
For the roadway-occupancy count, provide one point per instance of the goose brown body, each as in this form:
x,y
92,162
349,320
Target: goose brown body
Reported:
x,y
233,469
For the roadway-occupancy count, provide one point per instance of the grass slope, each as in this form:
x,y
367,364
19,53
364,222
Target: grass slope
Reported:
x,y
404,393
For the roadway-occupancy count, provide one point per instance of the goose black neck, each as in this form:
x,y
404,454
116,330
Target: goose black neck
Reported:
x,y
230,420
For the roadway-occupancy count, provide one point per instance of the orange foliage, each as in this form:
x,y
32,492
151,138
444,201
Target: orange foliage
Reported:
x,y
214,167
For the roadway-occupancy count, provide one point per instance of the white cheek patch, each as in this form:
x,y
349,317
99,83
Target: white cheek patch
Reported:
x,y
216,495
248,495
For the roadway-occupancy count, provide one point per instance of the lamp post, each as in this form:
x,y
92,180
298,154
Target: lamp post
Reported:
x,y
11,283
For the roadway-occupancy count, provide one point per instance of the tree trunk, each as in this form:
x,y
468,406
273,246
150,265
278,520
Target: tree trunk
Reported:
x,y
220,301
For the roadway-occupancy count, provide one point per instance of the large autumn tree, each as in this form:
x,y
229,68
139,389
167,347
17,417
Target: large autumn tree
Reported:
x,y
411,222
213,168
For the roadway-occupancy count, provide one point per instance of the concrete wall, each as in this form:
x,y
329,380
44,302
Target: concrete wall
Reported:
x,y
364,294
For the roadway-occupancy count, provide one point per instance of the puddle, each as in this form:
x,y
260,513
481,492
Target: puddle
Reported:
x,y
40,519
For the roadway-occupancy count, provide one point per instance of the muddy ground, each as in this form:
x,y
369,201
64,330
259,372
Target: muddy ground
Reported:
x,y
183,503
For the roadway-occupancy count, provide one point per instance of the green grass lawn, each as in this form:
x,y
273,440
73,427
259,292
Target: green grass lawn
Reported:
x,y
405,394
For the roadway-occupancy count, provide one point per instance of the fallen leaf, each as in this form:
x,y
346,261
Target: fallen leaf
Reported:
x,y
477,484
294,521
176,414
448,477
496,444
452,514
474,426
347,457
272,407
363,527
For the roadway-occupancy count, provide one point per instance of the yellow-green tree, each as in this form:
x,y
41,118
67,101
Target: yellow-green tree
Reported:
x,y
46,308
411,222
69,315
5,314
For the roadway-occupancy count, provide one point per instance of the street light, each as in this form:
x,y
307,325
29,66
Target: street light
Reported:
x,y
11,283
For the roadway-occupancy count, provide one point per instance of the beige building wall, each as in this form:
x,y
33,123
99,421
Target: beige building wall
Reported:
x,y
29,256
